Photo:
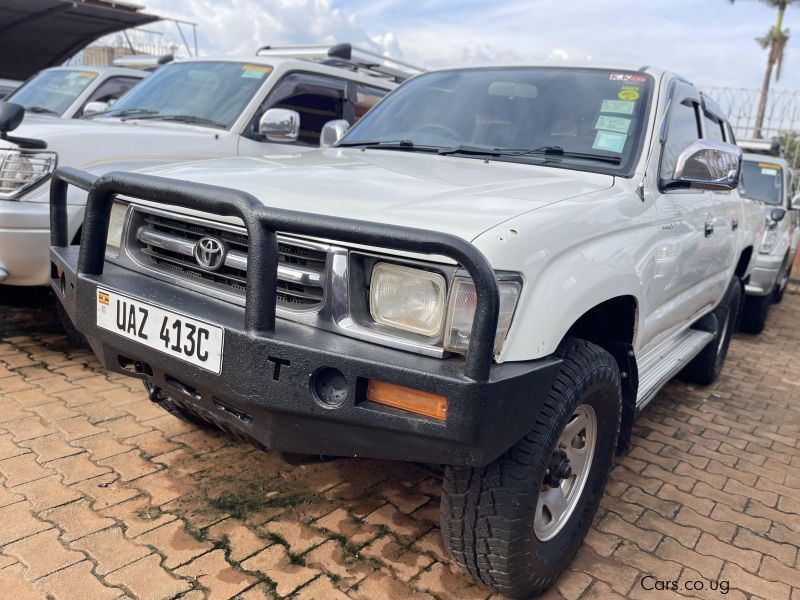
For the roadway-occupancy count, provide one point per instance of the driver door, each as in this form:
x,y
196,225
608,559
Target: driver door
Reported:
x,y
682,287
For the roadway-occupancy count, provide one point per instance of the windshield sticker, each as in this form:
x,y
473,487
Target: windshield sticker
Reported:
x,y
608,140
618,124
769,171
255,71
623,107
628,92
628,77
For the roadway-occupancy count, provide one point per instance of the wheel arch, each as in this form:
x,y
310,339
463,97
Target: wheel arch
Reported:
x,y
745,260
612,325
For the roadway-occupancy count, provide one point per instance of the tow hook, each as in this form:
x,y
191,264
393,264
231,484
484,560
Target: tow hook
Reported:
x,y
154,392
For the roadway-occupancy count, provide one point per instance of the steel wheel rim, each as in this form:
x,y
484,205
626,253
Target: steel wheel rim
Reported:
x,y
556,504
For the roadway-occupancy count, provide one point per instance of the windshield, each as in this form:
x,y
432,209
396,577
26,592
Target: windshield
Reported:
x,y
763,181
587,119
52,91
206,93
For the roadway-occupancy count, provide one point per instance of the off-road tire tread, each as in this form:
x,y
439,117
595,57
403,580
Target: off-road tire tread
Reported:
x,y
702,369
477,522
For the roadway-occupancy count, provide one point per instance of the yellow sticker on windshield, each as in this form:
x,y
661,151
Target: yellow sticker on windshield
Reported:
x,y
87,74
769,165
255,71
629,92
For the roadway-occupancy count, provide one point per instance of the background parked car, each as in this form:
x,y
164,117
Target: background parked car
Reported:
x,y
65,91
187,110
768,179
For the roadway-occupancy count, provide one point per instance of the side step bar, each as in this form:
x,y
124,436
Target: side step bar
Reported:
x,y
667,360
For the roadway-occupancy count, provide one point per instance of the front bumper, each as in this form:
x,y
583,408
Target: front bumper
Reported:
x,y
490,406
765,275
25,241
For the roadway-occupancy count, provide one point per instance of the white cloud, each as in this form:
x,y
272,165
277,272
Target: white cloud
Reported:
x,y
709,42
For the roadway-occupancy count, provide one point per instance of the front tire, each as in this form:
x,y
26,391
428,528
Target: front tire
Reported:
x,y
516,523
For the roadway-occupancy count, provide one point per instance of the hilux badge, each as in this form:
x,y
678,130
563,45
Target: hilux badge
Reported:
x,y
209,252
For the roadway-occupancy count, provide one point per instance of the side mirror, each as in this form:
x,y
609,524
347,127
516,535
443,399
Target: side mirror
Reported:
x,y
11,116
795,205
280,125
776,214
707,165
332,132
95,108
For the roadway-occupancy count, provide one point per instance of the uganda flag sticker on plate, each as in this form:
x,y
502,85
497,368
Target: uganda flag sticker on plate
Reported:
x,y
102,297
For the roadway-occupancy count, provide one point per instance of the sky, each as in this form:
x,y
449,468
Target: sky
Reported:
x,y
710,42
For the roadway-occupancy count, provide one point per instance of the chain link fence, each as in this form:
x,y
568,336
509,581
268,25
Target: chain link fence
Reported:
x,y
781,119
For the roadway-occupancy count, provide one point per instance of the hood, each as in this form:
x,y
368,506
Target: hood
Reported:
x,y
456,195
92,143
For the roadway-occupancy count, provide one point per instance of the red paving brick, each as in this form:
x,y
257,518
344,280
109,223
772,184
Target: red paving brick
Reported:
x,y
104,496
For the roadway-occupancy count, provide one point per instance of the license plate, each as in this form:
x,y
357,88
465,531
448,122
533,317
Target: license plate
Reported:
x,y
190,340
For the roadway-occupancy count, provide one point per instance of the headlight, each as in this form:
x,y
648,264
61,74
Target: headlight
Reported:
x,y
408,299
116,224
770,238
461,312
20,170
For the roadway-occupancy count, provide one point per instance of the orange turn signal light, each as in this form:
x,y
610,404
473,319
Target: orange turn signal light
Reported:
x,y
404,398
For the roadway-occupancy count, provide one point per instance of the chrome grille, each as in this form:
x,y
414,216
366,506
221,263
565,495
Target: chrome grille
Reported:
x,y
168,244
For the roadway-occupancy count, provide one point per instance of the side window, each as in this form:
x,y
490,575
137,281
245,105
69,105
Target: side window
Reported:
x,y
367,96
682,129
111,89
317,98
714,130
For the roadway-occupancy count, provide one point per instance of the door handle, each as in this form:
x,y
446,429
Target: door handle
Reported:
x,y
735,224
709,228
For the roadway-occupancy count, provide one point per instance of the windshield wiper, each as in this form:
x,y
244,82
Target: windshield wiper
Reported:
x,y
128,113
391,145
559,151
185,119
464,149
40,110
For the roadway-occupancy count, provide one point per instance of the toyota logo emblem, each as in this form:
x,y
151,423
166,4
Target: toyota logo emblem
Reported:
x,y
209,252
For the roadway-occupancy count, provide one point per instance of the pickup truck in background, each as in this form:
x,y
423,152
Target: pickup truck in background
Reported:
x,y
187,110
494,271
768,179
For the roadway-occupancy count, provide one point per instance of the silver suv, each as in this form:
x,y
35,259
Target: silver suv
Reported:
x,y
768,179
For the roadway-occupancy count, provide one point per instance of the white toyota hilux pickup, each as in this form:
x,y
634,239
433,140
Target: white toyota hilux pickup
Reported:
x,y
275,103
493,271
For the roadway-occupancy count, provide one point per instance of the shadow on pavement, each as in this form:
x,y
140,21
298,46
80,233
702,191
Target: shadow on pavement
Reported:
x,y
26,311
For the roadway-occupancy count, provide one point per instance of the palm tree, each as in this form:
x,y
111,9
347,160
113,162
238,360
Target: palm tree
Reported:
x,y
775,40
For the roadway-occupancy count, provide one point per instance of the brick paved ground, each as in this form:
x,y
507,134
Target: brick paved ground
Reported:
x,y
103,495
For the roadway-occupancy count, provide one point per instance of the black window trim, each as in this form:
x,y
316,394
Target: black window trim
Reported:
x,y
696,101
349,96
